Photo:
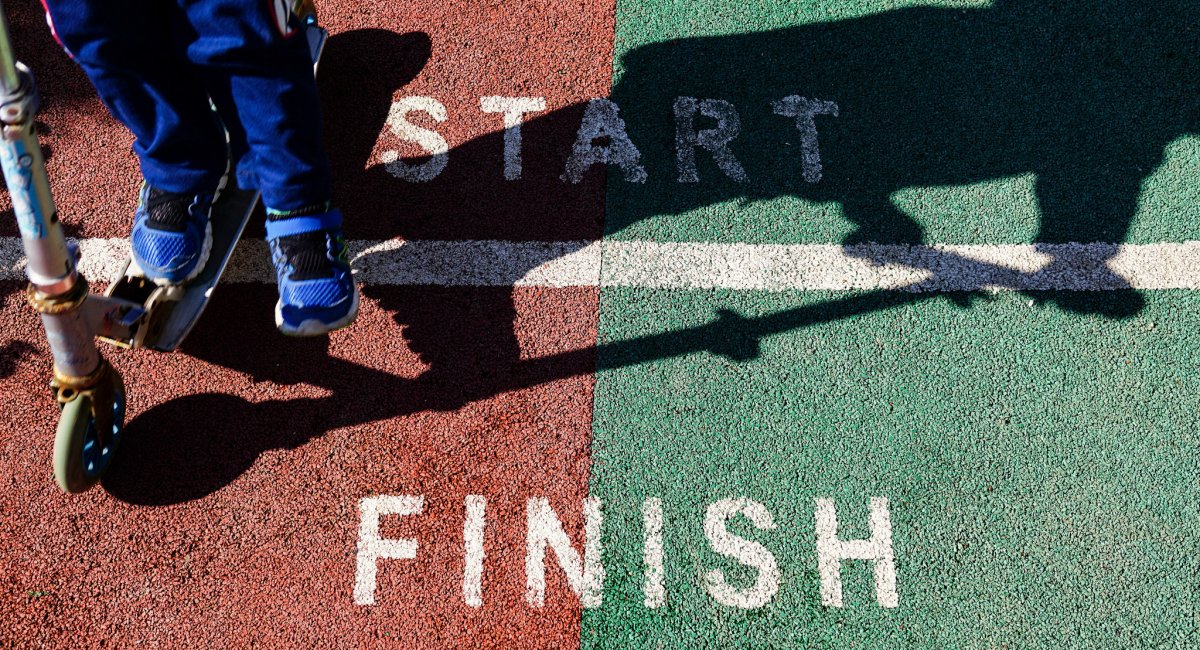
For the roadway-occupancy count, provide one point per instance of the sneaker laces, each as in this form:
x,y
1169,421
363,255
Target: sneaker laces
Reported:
x,y
307,255
167,210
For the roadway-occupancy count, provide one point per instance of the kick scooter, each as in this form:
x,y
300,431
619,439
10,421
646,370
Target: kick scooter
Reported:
x,y
134,312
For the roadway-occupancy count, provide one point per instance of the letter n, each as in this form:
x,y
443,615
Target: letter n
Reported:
x,y
585,576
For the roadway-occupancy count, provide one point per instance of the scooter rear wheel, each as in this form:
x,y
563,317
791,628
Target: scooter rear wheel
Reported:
x,y
80,456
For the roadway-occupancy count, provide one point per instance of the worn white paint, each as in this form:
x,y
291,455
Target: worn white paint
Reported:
x,y
584,575
514,109
429,140
716,140
477,263
473,555
805,111
747,552
831,551
371,548
684,265
602,119
653,588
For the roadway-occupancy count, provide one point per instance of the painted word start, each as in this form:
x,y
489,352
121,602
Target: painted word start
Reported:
x,y
602,138
585,573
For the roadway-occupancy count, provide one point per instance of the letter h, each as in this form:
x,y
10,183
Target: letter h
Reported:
x,y
831,551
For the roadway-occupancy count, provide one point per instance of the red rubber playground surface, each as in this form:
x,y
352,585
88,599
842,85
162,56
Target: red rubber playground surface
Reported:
x,y
234,516
860,324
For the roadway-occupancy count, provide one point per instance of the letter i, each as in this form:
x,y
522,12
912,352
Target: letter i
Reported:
x,y
652,553
473,550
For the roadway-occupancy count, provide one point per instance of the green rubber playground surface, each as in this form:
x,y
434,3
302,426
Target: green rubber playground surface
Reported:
x,y
1040,468
1039,462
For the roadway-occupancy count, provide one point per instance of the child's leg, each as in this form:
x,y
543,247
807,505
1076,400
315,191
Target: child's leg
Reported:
x,y
130,52
133,53
257,66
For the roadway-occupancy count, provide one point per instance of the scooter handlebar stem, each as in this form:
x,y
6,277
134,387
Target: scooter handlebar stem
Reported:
x,y
10,81
55,283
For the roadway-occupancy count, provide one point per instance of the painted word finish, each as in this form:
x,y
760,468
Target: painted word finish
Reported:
x,y
584,571
602,137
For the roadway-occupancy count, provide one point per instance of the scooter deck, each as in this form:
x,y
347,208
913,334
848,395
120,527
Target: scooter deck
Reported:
x,y
172,311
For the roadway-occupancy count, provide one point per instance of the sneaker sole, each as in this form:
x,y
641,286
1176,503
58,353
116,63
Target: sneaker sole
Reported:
x,y
312,326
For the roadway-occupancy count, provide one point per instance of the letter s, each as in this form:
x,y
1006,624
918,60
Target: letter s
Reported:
x,y
751,554
429,140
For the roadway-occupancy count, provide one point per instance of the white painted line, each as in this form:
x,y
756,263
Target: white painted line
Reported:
x,y
684,265
477,263
1080,267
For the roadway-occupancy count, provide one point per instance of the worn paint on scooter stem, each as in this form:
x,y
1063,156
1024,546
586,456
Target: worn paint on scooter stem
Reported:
x,y
18,170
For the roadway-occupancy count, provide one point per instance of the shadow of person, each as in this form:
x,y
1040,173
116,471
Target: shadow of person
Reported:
x,y
1085,97
469,200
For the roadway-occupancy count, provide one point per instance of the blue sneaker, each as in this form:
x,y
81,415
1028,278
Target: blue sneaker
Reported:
x,y
316,289
172,235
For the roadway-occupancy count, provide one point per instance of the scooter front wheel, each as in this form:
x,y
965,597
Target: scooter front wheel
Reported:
x,y
81,454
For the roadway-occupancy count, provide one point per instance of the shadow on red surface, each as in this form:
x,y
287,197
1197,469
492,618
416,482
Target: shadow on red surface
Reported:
x,y
1088,154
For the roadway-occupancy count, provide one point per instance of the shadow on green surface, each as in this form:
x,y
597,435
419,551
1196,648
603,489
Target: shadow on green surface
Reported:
x,y
1084,95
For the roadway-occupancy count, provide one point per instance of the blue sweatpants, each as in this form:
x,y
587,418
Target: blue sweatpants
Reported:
x,y
156,63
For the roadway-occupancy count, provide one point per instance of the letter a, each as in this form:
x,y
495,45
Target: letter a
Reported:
x,y
602,120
